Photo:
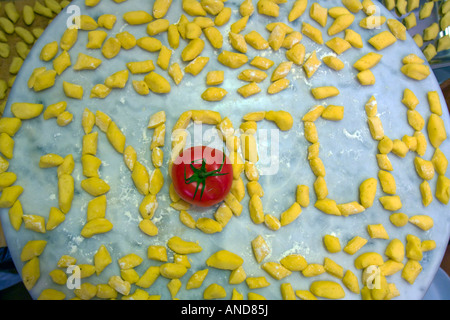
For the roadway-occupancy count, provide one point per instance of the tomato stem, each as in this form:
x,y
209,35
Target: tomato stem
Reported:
x,y
200,174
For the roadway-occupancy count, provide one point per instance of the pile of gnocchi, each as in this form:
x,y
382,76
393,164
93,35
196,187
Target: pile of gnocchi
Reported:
x,y
434,16
199,254
21,24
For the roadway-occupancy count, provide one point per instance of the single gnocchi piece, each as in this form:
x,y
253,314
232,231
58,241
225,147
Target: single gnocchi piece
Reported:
x,y
223,215
377,231
296,53
100,91
149,44
232,60
249,89
214,94
297,10
237,276
424,168
376,127
290,214
332,243
157,83
350,208
367,61
196,66
31,272
116,137
10,195
208,225
238,42
354,245
276,270
129,261
65,192
260,248
411,271
294,262
333,62
164,56
276,37
387,182
282,119
436,130
193,49
351,282
413,247
416,71
32,248
197,279
269,8
176,73
225,260
7,179
434,102
423,222
34,222
368,259
278,86
262,63
256,209
96,226
443,189
366,78
439,161
252,75
397,28
214,78
311,64
148,227
312,32
257,282
333,268
302,195
327,289
328,206
25,111
96,208
158,253
68,38
324,92
333,113
95,186
340,23
137,17
181,246
395,250
255,40
171,270
214,291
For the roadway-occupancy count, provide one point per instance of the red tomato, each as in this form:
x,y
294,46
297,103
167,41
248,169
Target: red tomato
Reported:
x,y
202,175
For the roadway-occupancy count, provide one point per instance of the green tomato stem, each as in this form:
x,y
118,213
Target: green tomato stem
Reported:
x,y
200,174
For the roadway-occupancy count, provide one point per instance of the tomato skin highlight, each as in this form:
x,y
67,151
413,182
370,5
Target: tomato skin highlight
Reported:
x,y
217,169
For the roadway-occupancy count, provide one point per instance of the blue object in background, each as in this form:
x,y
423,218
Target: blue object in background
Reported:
x,y
8,273
440,287
441,73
